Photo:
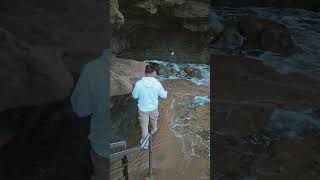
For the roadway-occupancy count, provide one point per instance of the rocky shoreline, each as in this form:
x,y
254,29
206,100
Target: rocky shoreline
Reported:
x,y
178,151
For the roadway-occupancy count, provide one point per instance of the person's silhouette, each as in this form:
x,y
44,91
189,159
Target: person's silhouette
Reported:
x,y
89,98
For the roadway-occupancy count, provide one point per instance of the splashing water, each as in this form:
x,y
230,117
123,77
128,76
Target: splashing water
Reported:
x,y
203,68
303,25
201,100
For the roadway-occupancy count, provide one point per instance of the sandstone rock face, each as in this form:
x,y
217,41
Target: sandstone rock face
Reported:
x,y
44,46
152,28
116,17
31,76
123,75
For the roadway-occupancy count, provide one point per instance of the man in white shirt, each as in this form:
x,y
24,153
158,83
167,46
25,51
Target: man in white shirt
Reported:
x,y
147,90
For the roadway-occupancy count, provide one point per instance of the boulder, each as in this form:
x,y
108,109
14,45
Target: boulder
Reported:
x,y
123,75
266,35
230,37
192,72
166,70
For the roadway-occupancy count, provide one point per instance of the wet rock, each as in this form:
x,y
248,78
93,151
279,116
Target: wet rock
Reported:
x,y
181,74
167,70
266,35
192,72
229,38
172,68
163,70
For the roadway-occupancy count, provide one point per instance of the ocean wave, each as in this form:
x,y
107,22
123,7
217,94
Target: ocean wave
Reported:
x,y
303,25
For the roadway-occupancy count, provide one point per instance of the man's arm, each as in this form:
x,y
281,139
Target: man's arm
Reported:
x,y
135,94
81,96
162,93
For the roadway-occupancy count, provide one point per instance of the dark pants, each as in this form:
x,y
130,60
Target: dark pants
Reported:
x,y
101,167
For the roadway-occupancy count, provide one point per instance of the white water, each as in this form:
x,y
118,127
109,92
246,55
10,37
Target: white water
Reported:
x,y
204,69
194,136
201,100
304,26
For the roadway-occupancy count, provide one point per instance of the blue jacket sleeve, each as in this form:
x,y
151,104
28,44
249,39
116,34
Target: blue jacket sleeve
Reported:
x,y
81,96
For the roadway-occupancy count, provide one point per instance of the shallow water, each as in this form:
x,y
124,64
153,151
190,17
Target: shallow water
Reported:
x,y
303,25
193,135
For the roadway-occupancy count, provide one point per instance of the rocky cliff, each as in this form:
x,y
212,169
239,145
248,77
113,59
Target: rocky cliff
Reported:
x,y
44,46
151,29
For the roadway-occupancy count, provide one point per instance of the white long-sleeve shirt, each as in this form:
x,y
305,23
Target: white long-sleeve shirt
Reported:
x,y
147,90
90,98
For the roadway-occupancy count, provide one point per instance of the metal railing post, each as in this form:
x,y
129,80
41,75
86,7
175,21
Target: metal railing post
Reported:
x,y
150,156
125,165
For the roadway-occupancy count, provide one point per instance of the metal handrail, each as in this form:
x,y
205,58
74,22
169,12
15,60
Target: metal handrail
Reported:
x,y
127,152
118,144
131,150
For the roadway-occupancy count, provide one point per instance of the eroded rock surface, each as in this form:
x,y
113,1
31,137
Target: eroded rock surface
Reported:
x,y
123,75
152,28
265,122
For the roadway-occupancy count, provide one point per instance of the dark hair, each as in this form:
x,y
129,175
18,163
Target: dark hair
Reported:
x,y
149,69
